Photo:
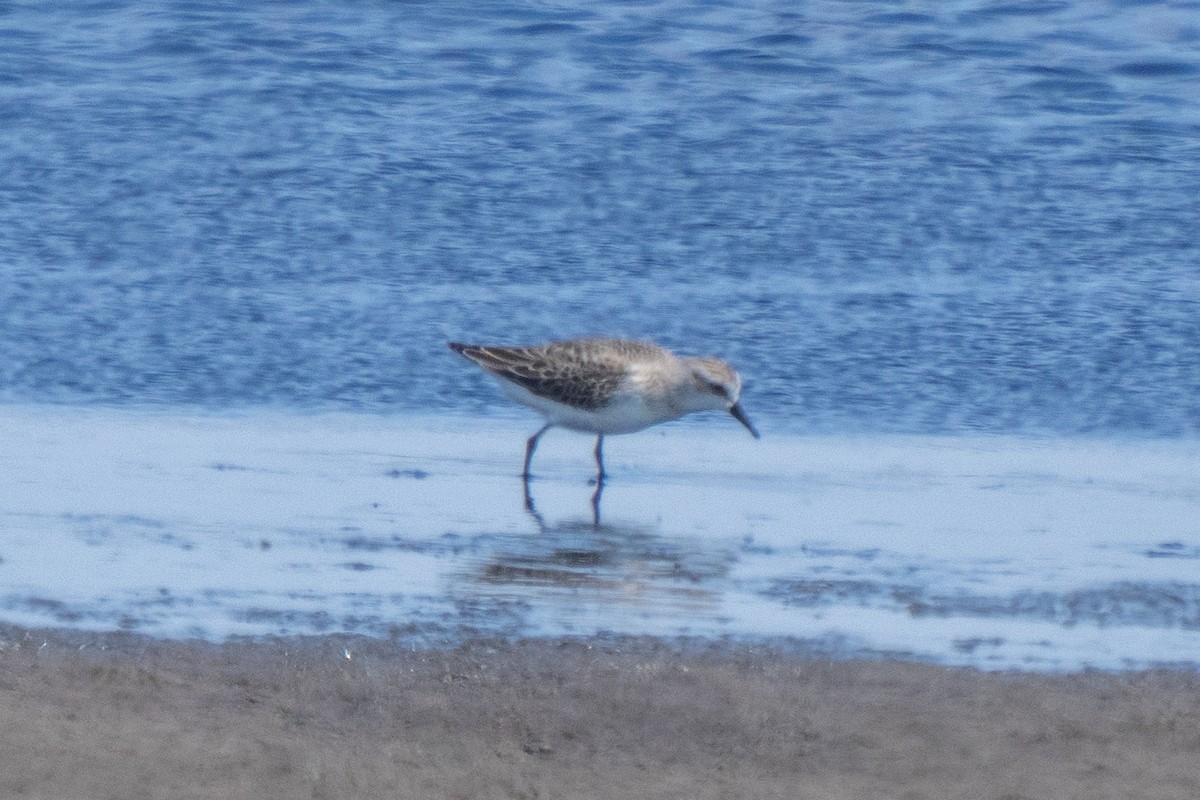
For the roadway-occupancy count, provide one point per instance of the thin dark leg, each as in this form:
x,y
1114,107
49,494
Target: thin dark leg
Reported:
x,y
600,459
530,446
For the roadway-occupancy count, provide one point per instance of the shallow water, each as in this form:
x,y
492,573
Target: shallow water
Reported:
x,y
922,234
996,552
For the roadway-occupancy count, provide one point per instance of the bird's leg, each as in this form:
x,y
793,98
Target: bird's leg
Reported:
x,y
530,446
599,480
600,459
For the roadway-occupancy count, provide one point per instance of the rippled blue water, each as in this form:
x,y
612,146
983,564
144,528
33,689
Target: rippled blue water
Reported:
x,y
891,216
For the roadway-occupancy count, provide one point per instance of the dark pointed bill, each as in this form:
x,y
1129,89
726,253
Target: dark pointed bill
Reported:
x,y
740,416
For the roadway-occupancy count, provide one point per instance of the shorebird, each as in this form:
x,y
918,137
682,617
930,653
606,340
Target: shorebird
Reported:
x,y
607,386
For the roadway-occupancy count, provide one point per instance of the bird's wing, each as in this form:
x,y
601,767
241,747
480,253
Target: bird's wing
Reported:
x,y
555,371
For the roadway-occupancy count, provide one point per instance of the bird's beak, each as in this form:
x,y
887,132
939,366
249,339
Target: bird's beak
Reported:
x,y
740,416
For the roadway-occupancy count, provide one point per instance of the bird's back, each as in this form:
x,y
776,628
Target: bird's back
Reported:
x,y
580,373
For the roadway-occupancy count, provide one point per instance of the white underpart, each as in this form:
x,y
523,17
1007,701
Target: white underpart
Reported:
x,y
648,395
626,415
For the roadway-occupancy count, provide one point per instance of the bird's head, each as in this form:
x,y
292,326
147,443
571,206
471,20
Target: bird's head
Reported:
x,y
717,387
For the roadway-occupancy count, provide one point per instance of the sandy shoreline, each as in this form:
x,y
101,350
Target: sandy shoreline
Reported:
x,y
125,716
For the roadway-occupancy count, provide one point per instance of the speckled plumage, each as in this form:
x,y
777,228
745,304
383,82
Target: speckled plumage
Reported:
x,y
607,386
581,373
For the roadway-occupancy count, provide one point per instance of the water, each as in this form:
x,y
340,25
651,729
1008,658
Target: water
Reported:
x,y
996,552
928,218
942,221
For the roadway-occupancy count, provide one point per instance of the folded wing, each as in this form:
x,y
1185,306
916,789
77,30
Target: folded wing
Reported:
x,y
552,371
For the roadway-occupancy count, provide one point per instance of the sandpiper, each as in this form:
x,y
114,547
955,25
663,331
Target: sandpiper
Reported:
x,y
607,386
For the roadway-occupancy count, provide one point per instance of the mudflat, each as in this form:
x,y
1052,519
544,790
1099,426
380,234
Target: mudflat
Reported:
x,y
332,717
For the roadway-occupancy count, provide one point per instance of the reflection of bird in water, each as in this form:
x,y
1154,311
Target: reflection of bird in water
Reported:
x,y
541,521
607,386
622,564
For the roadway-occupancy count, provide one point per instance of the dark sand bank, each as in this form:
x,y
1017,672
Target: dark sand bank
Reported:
x,y
130,717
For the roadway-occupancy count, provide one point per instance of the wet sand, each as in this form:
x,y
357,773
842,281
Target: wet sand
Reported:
x,y
123,716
